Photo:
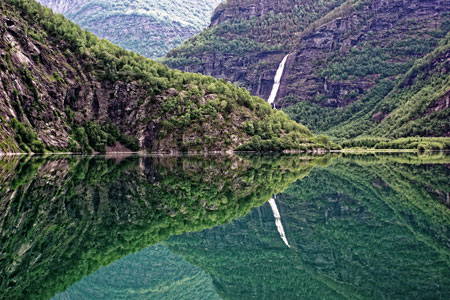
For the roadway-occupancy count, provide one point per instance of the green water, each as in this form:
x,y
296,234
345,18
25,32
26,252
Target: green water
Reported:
x,y
339,227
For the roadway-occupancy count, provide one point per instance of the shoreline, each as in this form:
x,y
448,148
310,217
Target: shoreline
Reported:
x,y
351,151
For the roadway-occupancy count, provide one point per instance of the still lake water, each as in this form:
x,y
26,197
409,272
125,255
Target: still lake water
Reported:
x,y
338,227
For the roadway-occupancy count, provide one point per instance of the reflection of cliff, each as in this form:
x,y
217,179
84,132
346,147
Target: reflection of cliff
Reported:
x,y
63,218
357,229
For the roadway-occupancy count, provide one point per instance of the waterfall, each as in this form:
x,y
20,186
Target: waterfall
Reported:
x,y
271,101
278,223
276,82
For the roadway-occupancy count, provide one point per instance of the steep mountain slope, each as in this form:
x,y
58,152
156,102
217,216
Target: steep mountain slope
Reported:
x,y
248,39
416,104
420,104
341,65
63,89
148,27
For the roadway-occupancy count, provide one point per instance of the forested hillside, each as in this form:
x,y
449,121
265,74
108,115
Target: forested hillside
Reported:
x,y
67,90
352,65
416,104
148,27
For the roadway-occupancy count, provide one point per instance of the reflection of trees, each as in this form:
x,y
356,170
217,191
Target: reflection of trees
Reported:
x,y
62,218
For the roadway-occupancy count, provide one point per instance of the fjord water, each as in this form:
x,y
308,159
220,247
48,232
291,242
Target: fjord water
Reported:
x,y
353,227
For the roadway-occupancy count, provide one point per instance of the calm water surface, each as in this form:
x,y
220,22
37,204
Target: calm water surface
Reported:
x,y
235,227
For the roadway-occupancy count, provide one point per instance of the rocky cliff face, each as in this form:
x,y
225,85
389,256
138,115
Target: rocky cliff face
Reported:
x,y
248,9
41,85
340,52
339,61
384,66
151,28
247,40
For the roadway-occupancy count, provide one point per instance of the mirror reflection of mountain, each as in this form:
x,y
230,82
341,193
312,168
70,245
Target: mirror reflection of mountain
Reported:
x,y
153,273
62,218
359,228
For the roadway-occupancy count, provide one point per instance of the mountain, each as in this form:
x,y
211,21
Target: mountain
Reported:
x,y
418,105
353,67
66,90
148,27
247,39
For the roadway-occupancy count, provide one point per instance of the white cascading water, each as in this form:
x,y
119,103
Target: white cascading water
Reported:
x,y
271,101
276,82
277,216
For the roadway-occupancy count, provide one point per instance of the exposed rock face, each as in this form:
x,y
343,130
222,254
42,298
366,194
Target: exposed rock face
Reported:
x,y
42,84
265,32
441,104
245,71
346,56
388,26
247,9
62,83
151,28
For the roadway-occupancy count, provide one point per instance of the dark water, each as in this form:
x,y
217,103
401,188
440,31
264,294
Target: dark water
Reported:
x,y
339,227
